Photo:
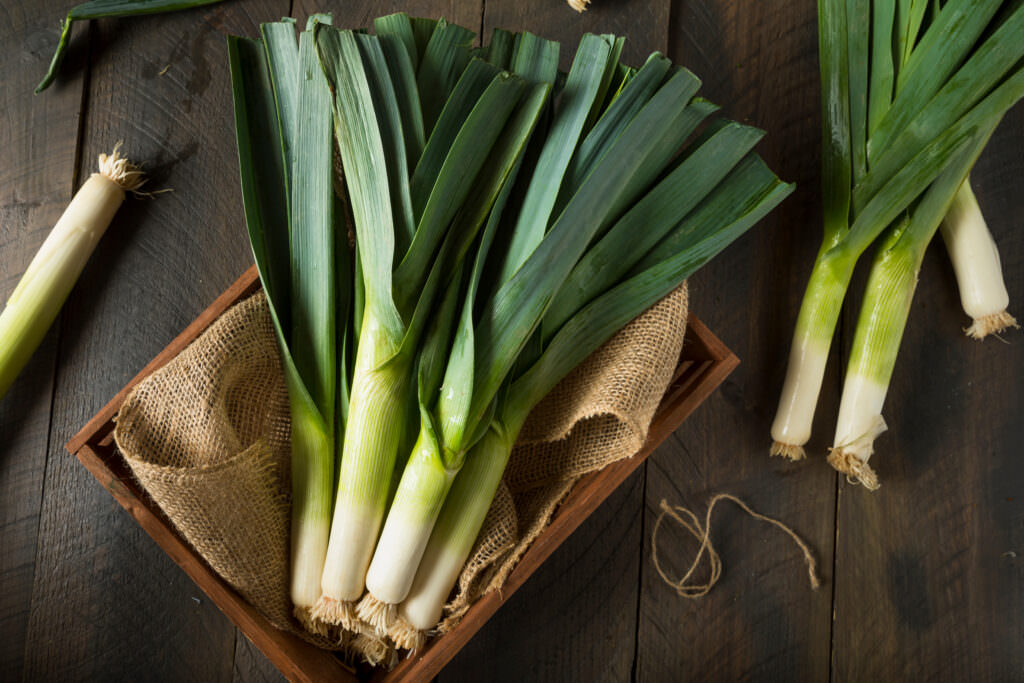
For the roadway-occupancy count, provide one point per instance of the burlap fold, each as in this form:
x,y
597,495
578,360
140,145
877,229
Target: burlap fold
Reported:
x,y
207,437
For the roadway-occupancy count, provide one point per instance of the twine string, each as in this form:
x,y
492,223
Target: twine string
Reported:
x,y
692,590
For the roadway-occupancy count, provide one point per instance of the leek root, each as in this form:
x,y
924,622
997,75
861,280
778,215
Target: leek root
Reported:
x,y
979,274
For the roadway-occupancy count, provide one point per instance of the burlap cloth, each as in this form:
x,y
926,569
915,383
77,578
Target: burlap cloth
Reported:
x,y
207,436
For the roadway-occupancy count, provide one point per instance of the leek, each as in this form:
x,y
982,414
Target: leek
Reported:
x,y
565,277
979,273
536,263
284,126
883,317
42,290
937,78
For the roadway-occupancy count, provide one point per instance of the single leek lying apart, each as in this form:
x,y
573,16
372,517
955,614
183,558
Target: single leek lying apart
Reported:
x,y
36,301
979,274
941,76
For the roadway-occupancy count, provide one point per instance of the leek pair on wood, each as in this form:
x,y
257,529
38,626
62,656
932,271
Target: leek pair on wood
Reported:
x,y
911,91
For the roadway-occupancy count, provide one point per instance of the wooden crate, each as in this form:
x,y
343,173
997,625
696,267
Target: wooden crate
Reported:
x,y
704,364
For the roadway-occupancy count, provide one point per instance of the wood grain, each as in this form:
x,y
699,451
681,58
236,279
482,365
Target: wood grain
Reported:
x,y
924,583
575,619
251,666
930,572
38,141
106,602
762,622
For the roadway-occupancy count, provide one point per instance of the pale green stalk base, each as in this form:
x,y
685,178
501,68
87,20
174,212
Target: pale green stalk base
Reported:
x,y
808,356
456,530
36,301
421,494
312,467
372,435
876,342
309,548
979,273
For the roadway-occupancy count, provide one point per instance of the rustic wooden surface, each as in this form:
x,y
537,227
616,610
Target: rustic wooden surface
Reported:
x,y
923,579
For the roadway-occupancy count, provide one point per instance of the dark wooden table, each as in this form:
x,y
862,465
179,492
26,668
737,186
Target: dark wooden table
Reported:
x,y
923,580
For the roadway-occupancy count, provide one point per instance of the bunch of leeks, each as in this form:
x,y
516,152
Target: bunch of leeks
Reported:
x,y
508,219
911,91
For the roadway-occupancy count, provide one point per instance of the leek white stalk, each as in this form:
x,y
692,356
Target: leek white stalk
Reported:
x,y
979,273
454,534
42,290
731,208
883,316
808,355
372,436
421,492
312,497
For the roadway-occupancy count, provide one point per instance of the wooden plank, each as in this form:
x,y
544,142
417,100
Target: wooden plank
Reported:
x,y
930,579
576,615
38,136
762,621
576,618
250,666
107,603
